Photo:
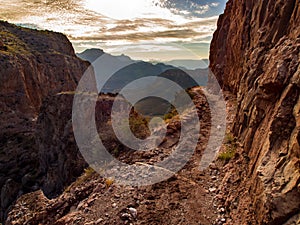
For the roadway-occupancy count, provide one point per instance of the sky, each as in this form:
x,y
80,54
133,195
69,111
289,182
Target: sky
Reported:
x,y
150,30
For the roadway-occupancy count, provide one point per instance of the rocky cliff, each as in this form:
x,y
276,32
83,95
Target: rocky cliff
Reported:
x,y
255,56
34,67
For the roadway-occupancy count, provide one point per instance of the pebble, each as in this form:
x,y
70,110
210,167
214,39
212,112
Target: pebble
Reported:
x,y
219,196
214,177
215,173
125,216
99,221
114,205
133,212
117,196
90,223
80,205
213,166
212,189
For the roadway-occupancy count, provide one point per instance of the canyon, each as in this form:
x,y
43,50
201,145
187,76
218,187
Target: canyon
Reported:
x,y
255,179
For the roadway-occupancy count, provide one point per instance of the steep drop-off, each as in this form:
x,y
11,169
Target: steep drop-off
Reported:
x,y
255,55
34,67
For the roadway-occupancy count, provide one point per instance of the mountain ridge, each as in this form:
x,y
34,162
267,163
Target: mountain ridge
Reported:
x,y
139,69
35,67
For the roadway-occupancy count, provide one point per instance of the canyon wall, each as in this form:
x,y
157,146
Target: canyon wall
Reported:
x,y
255,56
35,66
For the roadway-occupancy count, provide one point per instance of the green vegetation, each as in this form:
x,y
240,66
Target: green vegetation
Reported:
x,y
13,44
230,139
88,173
230,148
116,151
139,125
173,112
227,155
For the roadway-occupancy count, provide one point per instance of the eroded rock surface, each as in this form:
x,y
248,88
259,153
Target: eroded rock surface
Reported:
x,y
35,67
255,55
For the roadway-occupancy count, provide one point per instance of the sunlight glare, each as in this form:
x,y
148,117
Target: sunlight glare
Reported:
x,y
130,9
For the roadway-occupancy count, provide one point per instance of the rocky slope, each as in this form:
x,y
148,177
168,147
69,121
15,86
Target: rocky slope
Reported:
x,y
255,55
185,198
34,67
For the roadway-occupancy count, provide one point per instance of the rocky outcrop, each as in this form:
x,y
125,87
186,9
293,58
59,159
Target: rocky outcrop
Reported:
x,y
255,55
34,67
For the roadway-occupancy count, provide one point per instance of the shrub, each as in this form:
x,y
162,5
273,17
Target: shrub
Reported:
x,y
89,172
109,181
230,148
173,112
227,155
230,139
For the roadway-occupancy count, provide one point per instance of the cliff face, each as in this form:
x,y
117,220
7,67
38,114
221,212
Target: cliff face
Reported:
x,y
255,55
34,67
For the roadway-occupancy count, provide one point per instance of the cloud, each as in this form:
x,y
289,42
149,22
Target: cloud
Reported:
x,y
142,29
120,28
139,36
71,18
166,21
193,8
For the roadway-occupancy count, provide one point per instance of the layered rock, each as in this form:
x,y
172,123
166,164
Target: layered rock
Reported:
x,y
255,55
35,67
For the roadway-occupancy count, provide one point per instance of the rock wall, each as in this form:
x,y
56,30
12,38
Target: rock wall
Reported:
x,y
34,67
61,163
255,55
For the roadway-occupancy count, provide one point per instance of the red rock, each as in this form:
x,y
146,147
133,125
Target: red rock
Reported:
x,y
255,56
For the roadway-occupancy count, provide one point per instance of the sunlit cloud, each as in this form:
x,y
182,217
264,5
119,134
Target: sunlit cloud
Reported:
x,y
110,23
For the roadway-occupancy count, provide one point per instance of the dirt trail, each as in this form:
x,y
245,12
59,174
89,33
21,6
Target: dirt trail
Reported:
x,y
189,197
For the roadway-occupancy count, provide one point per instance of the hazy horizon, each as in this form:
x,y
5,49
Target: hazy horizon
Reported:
x,y
149,30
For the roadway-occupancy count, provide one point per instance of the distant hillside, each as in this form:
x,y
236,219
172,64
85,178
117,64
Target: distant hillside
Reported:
x,y
140,69
92,54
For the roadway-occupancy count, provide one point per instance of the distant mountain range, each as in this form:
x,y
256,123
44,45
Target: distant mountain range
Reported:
x,y
92,54
140,69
